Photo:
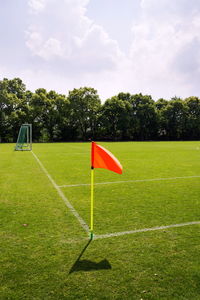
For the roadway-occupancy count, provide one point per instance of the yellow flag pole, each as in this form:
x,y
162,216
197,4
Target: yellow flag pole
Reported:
x,y
92,204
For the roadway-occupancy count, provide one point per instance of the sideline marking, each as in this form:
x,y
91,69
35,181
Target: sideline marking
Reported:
x,y
66,201
125,181
108,235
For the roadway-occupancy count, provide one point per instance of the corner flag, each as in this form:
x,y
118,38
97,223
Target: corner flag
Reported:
x,y
101,158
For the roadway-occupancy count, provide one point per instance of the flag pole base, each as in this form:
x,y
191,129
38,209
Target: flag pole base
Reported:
x,y
91,235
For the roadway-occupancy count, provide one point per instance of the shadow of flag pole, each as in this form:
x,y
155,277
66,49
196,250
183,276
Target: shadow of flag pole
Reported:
x,y
88,265
100,158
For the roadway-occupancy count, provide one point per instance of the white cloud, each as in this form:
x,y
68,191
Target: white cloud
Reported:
x,y
165,48
63,48
71,36
36,6
95,51
34,42
47,50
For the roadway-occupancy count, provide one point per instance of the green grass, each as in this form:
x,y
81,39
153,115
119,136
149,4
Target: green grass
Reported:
x,y
41,240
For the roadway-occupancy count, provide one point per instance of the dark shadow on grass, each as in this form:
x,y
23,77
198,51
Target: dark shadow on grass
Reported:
x,y
88,265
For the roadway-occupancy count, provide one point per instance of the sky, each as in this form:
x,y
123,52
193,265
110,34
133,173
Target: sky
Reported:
x,y
137,46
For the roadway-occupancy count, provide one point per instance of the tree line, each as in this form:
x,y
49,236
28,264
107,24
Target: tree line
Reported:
x,y
80,115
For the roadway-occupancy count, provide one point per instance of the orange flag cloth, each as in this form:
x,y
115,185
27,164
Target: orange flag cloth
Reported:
x,y
102,158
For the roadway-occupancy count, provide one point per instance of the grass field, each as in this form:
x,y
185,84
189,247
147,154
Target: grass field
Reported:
x,y
147,222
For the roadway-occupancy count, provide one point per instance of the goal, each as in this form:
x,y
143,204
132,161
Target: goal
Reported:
x,y
24,140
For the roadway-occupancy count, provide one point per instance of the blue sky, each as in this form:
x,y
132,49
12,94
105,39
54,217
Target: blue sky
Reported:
x,y
147,46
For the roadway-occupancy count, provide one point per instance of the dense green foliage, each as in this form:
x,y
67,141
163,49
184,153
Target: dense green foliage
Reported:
x,y
81,116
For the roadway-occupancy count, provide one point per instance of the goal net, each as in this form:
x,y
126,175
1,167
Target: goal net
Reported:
x,y
24,140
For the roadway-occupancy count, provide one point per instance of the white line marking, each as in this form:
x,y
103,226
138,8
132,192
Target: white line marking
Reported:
x,y
115,234
126,181
66,201
109,235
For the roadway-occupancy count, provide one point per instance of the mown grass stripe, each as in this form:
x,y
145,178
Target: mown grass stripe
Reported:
x,y
115,234
66,201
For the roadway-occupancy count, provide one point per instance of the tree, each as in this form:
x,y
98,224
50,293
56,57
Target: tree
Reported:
x,y
58,123
160,105
80,116
116,118
12,95
174,116
48,111
84,106
124,97
193,118
143,117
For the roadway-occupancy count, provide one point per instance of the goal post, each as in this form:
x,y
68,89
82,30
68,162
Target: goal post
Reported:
x,y
24,140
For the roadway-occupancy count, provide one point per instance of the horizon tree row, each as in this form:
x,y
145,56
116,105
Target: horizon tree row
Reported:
x,y
80,115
